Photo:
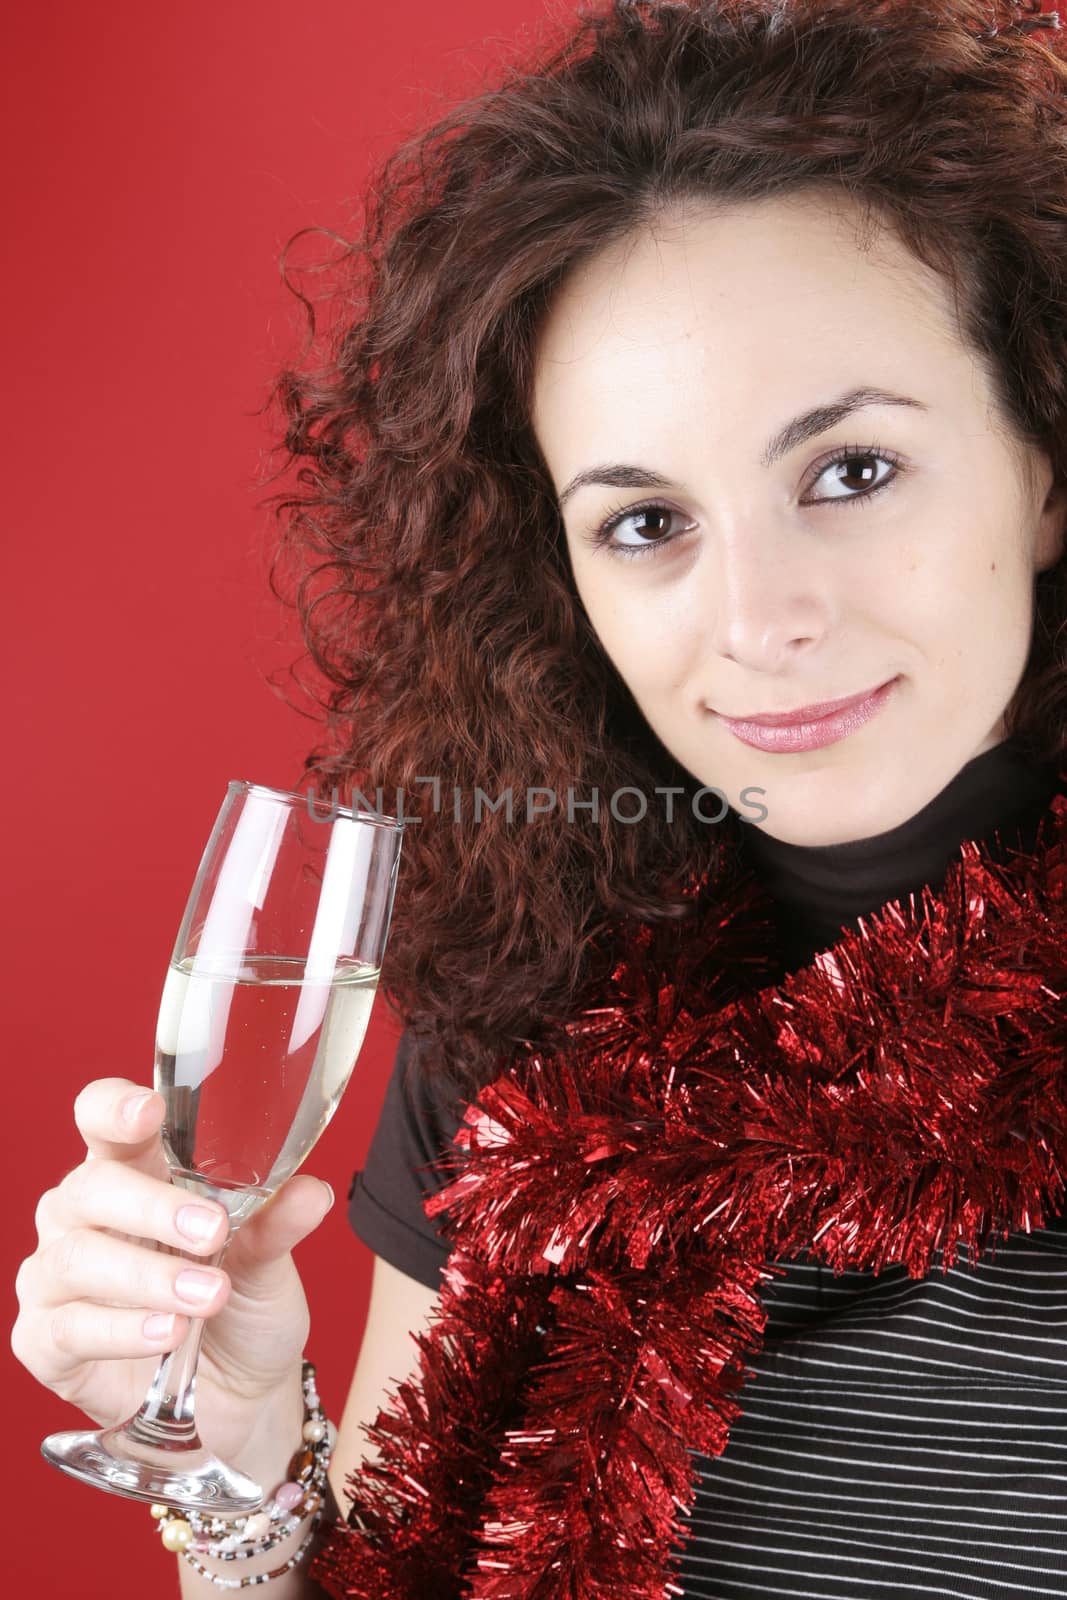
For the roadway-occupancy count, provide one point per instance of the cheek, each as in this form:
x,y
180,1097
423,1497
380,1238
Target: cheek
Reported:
x,y
950,570
966,602
652,638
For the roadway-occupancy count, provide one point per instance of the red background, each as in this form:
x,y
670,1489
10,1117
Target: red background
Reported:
x,y
156,159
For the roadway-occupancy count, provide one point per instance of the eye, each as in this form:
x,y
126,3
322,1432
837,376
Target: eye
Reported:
x,y
655,511
857,460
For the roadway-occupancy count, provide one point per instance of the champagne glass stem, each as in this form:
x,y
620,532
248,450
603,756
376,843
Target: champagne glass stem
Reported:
x,y
167,1416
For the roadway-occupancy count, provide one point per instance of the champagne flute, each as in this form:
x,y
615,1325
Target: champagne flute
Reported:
x,y
264,1010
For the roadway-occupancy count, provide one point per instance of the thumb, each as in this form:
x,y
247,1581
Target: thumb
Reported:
x,y
292,1212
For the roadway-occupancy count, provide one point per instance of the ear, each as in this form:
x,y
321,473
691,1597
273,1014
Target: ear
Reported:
x,y
1051,531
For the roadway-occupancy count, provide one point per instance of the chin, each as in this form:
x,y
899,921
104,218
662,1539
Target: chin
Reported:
x,y
835,806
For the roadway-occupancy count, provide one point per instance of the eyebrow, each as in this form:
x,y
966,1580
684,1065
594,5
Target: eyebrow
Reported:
x,y
622,475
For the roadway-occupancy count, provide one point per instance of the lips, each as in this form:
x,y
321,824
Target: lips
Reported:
x,y
811,713
792,731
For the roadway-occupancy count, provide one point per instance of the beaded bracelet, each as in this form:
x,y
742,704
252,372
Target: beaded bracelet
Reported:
x,y
238,1538
260,1577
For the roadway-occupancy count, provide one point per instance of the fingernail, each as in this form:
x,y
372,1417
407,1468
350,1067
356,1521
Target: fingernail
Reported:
x,y
328,1189
197,1222
158,1326
198,1286
131,1106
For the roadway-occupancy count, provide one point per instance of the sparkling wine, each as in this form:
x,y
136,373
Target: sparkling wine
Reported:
x,y
251,1065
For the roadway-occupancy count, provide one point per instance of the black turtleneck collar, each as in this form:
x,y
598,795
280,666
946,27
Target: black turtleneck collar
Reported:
x,y
817,889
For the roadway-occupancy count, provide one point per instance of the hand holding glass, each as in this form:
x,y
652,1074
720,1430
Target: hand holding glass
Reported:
x,y
264,1011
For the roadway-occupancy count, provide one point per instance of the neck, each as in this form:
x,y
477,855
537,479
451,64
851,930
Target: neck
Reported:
x,y
998,798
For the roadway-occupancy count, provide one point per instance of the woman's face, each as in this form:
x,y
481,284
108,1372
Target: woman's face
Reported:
x,y
763,578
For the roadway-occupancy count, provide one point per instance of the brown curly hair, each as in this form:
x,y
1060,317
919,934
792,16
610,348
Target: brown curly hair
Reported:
x,y
435,591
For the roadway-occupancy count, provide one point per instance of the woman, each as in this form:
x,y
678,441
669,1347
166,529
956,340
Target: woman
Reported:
x,y
633,332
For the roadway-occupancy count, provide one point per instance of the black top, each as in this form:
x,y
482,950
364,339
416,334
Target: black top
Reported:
x,y
420,1114
820,888
817,888
899,1437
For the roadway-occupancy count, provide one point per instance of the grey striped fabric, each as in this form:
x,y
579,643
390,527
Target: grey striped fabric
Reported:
x,y
900,1437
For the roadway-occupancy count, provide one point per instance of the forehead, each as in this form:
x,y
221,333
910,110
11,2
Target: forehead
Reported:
x,y
727,313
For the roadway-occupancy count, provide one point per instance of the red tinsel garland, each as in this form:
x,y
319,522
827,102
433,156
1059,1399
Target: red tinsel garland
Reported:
x,y
616,1206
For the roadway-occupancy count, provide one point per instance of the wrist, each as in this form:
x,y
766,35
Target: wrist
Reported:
x,y
278,1432
282,1532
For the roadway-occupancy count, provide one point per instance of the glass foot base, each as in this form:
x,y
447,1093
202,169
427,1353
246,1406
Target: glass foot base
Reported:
x,y
188,1480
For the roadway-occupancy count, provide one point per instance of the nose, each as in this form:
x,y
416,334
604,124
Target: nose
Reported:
x,y
769,597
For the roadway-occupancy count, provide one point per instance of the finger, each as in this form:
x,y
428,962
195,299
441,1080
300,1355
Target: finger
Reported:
x,y
119,1119
85,1264
110,1194
67,1336
294,1211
